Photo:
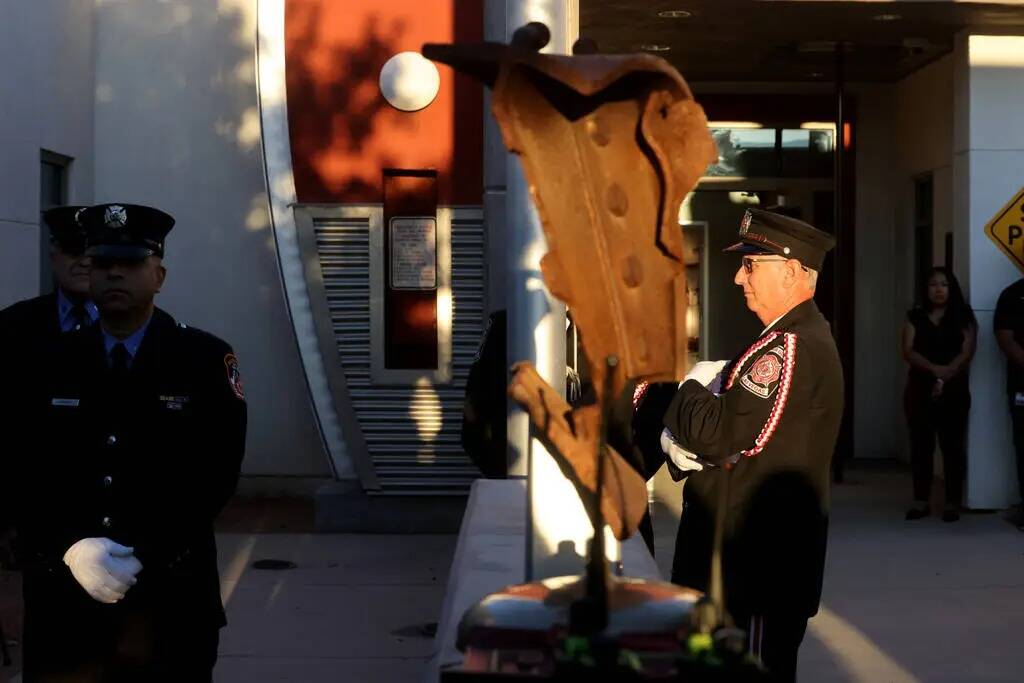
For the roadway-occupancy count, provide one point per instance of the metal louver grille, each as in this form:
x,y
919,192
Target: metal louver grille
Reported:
x,y
412,433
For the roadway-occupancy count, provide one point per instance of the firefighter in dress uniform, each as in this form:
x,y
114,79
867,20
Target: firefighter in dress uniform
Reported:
x,y
136,436
769,426
28,330
36,322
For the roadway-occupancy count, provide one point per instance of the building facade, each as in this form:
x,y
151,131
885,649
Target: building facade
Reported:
x,y
351,250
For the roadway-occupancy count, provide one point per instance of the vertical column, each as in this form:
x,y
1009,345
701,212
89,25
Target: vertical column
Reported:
x,y
988,156
558,528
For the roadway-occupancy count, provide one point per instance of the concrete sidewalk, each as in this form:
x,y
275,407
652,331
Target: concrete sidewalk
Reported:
x,y
354,609
904,602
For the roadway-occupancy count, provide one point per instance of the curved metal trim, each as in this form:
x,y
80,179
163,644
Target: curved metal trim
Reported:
x,y
277,166
352,432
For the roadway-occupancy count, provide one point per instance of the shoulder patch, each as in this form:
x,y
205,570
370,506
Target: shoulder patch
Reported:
x,y
234,375
764,375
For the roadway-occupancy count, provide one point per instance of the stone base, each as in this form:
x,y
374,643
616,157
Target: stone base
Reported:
x,y
491,554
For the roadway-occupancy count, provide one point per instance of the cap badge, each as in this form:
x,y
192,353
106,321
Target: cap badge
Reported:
x,y
115,216
785,250
745,223
78,214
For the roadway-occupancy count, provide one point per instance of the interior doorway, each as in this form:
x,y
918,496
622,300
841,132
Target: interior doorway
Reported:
x,y
729,325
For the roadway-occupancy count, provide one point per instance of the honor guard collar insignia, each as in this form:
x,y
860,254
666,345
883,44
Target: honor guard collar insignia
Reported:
x,y
771,232
66,232
125,231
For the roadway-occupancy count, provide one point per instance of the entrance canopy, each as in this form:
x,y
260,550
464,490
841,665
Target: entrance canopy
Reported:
x,y
764,40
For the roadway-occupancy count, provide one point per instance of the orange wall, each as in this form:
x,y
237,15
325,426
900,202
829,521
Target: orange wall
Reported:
x,y
343,131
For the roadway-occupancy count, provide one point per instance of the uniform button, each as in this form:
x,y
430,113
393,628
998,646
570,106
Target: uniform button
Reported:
x,y
111,440
107,522
108,480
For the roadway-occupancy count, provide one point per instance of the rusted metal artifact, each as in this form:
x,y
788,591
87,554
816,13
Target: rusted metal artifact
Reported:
x,y
610,145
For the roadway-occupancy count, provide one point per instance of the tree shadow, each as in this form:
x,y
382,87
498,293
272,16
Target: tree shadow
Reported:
x,y
336,102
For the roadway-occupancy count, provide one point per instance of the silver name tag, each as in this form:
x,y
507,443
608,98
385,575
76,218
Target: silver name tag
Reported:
x,y
174,402
66,402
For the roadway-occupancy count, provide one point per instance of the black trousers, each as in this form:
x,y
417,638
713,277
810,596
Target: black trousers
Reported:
x,y
775,638
945,417
110,644
1017,415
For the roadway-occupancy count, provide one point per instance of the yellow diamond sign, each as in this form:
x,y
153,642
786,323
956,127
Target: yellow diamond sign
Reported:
x,y
1006,229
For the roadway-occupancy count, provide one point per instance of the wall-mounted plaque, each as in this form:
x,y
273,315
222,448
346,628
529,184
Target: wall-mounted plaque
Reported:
x,y
413,252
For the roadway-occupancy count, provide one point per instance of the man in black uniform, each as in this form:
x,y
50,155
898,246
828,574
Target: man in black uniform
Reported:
x,y
28,331
771,432
483,411
138,440
36,322
1009,329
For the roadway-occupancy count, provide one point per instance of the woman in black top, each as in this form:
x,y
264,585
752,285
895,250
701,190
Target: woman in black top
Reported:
x,y
939,339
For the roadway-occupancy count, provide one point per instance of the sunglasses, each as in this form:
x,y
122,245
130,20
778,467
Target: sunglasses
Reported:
x,y
749,261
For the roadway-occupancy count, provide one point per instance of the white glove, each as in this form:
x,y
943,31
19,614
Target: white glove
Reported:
x,y
708,373
106,570
682,458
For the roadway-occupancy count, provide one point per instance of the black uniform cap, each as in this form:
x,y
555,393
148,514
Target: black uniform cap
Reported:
x,y
125,231
765,232
66,233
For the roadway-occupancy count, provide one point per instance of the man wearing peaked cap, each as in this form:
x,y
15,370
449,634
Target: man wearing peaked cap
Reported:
x,y
145,433
768,425
29,329
68,306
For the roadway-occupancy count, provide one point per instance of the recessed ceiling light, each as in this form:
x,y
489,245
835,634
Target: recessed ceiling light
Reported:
x,y
815,74
675,14
655,48
887,17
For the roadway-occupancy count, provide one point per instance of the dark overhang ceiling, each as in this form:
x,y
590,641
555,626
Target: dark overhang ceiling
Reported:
x,y
795,40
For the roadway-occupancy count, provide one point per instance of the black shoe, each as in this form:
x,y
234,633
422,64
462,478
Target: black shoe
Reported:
x,y
950,516
916,513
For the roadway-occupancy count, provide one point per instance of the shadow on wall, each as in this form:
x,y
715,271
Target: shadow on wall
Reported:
x,y
336,103
178,127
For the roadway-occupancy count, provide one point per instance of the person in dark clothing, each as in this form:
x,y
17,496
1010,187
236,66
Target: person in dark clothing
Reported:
x,y
32,324
1009,329
136,427
768,432
484,412
634,424
939,339
29,330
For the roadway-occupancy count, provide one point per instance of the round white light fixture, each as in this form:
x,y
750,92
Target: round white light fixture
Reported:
x,y
409,81
675,14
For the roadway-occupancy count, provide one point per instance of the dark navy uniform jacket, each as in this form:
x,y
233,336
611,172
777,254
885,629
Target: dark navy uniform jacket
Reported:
x,y
779,415
148,461
31,319
28,332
